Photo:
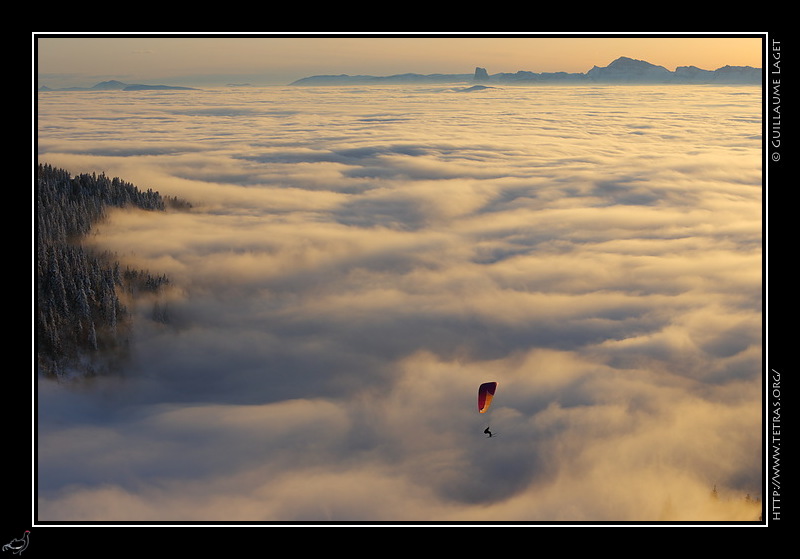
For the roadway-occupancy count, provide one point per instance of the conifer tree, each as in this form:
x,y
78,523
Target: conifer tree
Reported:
x,y
78,310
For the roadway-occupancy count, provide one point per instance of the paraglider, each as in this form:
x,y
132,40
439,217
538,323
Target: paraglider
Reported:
x,y
485,395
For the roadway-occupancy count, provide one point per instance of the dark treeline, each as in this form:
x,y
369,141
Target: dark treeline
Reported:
x,y
80,320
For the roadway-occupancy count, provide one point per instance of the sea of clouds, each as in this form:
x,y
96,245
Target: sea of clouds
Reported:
x,y
358,260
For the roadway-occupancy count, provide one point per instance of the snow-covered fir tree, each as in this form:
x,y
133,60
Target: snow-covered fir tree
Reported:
x,y
79,318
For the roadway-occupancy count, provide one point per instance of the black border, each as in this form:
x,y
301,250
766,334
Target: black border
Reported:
x,y
202,538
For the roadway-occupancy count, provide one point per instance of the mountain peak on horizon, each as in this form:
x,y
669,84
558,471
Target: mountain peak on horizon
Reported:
x,y
630,69
110,84
627,61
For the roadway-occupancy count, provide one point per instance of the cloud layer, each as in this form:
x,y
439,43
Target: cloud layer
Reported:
x,y
359,260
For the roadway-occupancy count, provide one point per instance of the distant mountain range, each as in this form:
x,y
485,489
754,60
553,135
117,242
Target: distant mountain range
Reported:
x,y
622,70
115,85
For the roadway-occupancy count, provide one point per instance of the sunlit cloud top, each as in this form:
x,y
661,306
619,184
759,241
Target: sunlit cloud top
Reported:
x,y
358,261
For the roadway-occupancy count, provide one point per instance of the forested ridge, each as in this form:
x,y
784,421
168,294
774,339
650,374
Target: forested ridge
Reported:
x,y
81,324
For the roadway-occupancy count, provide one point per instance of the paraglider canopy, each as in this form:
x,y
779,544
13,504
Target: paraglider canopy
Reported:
x,y
485,395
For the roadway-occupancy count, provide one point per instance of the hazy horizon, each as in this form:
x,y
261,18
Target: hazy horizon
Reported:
x,y
264,60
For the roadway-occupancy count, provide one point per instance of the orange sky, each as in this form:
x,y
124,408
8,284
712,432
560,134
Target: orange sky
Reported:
x,y
260,59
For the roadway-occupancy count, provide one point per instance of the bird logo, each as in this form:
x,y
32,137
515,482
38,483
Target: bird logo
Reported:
x,y
17,546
